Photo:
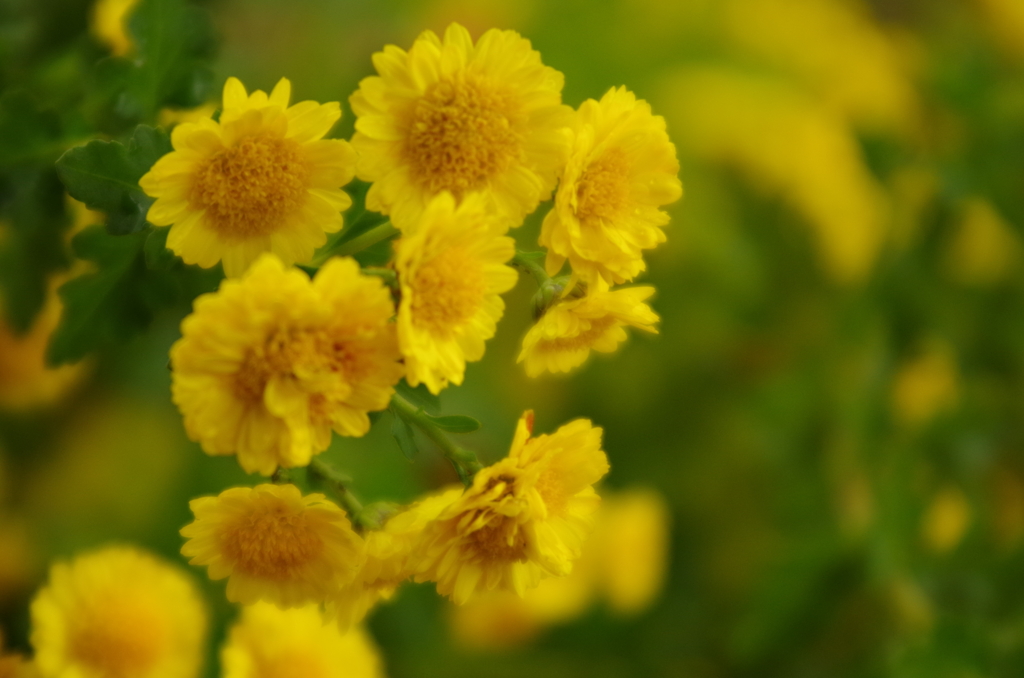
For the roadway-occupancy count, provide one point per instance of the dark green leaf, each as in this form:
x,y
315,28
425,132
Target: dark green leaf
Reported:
x,y
403,434
420,396
105,176
173,41
158,257
32,248
116,300
455,423
26,132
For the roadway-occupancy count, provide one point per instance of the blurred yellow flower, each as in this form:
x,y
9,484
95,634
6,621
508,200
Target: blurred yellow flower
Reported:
x,y
524,518
268,642
1006,20
262,179
452,271
569,330
387,559
14,665
789,144
270,363
118,613
946,520
109,24
26,381
857,69
273,544
926,385
985,248
452,116
622,168
169,117
630,543
18,565
625,559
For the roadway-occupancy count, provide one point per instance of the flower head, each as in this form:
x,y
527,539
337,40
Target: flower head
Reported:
x,y
452,271
273,544
387,559
622,169
523,518
262,179
270,363
268,642
568,331
452,116
109,19
118,613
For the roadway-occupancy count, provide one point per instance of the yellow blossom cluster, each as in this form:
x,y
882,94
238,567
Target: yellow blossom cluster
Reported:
x,y
458,142
521,520
120,612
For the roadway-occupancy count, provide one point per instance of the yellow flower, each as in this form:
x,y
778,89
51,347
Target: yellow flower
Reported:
x,y
451,269
26,381
273,544
926,385
523,518
270,363
109,19
564,336
792,145
947,519
262,179
268,642
621,170
118,613
387,559
629,549
985,249
453,116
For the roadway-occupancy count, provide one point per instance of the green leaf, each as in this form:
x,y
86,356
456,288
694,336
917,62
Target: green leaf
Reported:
x,y
27,133
158,257
455,423
32,249
174,41
105,176
419,396
403,434
120,297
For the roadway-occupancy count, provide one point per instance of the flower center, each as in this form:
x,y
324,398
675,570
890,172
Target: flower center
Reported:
x,y
499,541
271,541
316,356
462,134
124,639
249,189
602,191
447,291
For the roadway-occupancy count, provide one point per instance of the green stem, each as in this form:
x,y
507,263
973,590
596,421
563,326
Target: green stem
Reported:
x,y
465,461
389,275
528,262
364,240
320,474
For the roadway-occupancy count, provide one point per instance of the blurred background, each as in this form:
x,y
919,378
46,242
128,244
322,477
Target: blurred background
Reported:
x,y
817,465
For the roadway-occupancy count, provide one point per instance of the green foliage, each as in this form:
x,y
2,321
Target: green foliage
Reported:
x,y
105,176
455,423
404,436
173,42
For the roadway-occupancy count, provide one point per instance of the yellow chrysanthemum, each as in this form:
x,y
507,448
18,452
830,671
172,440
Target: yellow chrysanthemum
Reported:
x,y
621,170
568,331
268,642
118,613
387,559
262,179
523,518
109,19
453,116
452,271
273,544
270,363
